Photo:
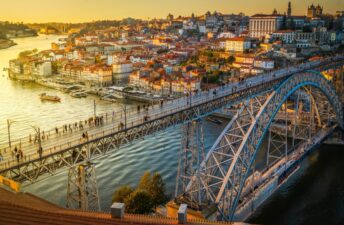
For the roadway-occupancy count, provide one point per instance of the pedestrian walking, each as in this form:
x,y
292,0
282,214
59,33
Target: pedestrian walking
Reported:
x,y
17,156
21,154
40,151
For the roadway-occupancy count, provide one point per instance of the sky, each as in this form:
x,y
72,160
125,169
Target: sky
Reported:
x,y
29,11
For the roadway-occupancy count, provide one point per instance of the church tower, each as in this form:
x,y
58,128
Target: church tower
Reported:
x,y
289,10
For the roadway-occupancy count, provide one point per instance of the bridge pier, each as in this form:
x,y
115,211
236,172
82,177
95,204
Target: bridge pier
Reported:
x,y
82,190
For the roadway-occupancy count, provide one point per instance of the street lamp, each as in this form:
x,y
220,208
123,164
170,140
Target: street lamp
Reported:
x,y
36,129
9,123
94,109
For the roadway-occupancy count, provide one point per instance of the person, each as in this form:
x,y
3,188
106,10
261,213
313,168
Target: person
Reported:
x,y
17,156
40,151
21,154
1,157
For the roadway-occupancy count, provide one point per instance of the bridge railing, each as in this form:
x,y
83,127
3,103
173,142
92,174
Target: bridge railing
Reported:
x,y
135,118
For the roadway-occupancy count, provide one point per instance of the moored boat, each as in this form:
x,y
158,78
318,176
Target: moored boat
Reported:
x,y
78,94
45,97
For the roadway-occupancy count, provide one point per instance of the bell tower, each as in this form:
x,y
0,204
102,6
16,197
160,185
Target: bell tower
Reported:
x,y
289,10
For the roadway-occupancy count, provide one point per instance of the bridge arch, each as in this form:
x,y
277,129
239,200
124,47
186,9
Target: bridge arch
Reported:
x,y
223,173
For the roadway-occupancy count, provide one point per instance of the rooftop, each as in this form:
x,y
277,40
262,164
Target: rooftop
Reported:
x,y
25,208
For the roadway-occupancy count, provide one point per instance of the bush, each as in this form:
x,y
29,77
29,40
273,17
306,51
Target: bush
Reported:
x,y
139,202
157,190
149,194
121,194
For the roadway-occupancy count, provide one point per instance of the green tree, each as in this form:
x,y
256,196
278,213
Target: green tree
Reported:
x,y
139,202
145,182
27,53
157,190
122,194
231,59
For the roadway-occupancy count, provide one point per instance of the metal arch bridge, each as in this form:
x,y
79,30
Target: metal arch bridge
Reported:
x,y
65,151
228,168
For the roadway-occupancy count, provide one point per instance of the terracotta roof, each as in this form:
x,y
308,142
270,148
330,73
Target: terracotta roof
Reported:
x,y
238,39
266,15
27,209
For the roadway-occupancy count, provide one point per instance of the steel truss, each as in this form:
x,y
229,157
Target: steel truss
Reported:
x,y
229,161
191,154
82,190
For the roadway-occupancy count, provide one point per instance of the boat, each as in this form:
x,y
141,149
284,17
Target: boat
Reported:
x,y
78,94
214,120
109,98
45,97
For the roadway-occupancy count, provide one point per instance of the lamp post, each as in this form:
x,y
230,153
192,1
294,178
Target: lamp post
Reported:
x,y
9,123
36,129
94,108
125,116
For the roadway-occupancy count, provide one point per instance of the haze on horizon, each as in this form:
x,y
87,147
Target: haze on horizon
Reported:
x,y
29,11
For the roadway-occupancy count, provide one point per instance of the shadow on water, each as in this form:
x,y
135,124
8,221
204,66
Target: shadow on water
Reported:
x,y
314,196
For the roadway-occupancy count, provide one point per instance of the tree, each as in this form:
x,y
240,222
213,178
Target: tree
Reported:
x,y
231,59
157,190
145,182
139,202
122,194
27,53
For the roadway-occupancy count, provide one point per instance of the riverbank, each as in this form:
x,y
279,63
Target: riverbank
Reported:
x,y
5,43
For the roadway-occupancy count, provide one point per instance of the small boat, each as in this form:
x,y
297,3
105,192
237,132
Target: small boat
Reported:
x,y
109,98
45,97
214,120
78,94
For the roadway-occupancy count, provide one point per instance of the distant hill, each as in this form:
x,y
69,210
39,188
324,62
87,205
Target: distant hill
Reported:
x,y
15,30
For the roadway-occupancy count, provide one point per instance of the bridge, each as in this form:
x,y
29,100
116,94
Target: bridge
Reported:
x,y
223,173
227,180
67,148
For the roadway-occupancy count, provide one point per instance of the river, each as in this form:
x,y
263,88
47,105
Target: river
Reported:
x,y
314,196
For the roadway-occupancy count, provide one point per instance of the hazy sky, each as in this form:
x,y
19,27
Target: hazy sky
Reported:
x,y
88,10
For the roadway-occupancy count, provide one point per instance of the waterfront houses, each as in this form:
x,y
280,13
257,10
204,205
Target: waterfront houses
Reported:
x,y
179,54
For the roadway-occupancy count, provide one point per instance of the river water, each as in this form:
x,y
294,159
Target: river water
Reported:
x,y
315,195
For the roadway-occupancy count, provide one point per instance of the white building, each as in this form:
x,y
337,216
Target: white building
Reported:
x,y
287,36
267,64
239,44
44,69
124,67
261,24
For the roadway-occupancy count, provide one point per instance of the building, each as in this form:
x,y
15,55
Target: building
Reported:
x,y
239,44
287,36
289,9
262,24
314,11
123,67
43,68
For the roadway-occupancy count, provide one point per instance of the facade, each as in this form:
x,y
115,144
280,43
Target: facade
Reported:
x,y
124,67
314,11
262,24
267,64
239,44
287,36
